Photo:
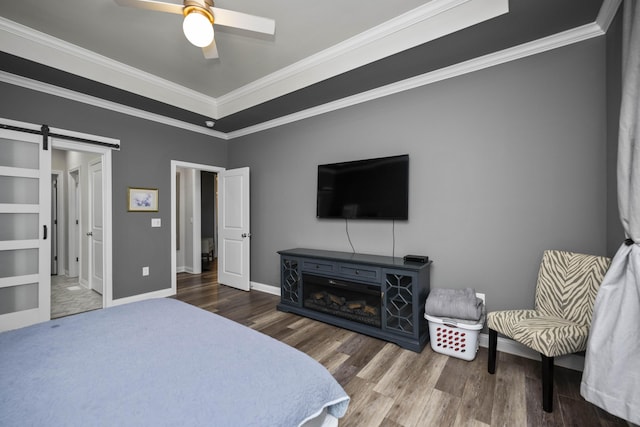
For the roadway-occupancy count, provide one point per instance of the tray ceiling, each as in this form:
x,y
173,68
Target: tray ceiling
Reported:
x,y
322,52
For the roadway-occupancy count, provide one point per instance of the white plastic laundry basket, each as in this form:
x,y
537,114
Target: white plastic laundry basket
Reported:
x,y
454,338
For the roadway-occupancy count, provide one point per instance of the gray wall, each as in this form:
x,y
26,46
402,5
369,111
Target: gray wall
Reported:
x,y
504,163
143,161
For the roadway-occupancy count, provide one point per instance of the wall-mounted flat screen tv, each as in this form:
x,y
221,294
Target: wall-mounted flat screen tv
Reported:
x,y
364,189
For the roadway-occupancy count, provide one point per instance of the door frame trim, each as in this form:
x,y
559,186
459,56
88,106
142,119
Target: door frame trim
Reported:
x,y
73,232
61,226
107,200
175,164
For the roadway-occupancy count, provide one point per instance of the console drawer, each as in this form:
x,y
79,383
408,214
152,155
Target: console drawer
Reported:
x,y
319,266
363,272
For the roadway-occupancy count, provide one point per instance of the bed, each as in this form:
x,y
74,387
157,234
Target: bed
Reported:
x,y
159,362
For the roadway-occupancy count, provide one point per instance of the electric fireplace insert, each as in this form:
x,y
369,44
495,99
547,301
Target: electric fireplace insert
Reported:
x,y
354,301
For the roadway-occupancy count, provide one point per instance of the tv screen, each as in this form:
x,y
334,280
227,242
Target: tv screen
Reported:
x,y
364,189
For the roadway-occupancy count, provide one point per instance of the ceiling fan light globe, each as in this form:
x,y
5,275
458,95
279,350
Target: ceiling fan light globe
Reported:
x,y
197,29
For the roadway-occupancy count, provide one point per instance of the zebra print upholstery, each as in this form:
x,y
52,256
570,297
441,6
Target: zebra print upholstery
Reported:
x,y
565,293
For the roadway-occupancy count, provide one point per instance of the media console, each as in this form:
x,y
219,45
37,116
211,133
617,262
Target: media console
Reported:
x,y
374,295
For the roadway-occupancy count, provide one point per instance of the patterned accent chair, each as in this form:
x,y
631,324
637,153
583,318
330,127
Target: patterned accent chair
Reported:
x,y
565,293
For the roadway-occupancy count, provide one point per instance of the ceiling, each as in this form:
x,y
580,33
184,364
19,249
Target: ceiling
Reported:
x,y
322,53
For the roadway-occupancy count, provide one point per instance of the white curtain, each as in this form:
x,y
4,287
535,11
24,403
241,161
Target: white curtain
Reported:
x,y
611,378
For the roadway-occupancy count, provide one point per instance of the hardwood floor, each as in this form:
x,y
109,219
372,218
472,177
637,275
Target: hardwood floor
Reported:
x,y
390,386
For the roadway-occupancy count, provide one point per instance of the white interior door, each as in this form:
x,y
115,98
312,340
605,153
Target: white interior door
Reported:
x,y
234,243
95,235
25,203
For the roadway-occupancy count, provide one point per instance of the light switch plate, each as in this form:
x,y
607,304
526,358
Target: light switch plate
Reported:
x,y
155,222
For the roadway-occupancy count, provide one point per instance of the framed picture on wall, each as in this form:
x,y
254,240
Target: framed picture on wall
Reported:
x,y
142,199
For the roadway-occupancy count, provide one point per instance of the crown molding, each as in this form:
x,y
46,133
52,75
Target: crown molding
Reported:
x,y
607,13
42,48
556,41
107,105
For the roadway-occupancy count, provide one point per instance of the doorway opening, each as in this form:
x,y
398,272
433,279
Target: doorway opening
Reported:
x,y
194,226
195,220
233,218
78,209
208,220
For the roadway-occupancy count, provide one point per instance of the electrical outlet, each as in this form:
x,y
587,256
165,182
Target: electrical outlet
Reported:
x,y
145,271
482,297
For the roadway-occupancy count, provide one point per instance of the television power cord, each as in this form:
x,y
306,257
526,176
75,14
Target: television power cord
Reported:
x,y
346,227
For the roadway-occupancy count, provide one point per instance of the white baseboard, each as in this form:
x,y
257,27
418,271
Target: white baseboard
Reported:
x,y
273,290
163,293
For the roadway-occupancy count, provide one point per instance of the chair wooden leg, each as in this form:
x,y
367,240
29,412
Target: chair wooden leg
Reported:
x,y
547,383
493,348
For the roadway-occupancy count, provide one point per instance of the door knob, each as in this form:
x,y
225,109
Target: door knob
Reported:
x,y
89,233
246,234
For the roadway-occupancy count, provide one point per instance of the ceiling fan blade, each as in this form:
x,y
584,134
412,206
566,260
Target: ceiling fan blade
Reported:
x,y
211,51
152,5
230,18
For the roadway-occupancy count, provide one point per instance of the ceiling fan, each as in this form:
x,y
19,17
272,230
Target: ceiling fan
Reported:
x,y
199,18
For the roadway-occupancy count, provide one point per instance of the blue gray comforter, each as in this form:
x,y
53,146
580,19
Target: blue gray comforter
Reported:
x,y
158,363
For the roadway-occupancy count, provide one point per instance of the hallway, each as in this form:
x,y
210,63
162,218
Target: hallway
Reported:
x,y
69,297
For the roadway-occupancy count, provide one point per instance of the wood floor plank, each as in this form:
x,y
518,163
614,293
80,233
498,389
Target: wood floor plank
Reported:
x,y
412,396
399,373
367,407
390,423
380,363
509,401
334,362
276,326
477,396
345,372
361,348
267,319
451,381
442,408
324,350
608,420
577,412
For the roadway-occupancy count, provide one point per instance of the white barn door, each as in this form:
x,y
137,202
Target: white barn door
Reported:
x,y
25,216
234,243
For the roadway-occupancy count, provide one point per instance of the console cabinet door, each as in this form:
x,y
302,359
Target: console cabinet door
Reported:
x,y
399,300
291,282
